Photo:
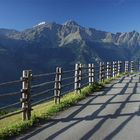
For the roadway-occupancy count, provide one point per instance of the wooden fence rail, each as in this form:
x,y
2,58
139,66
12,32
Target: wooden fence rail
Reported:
x,y
80,76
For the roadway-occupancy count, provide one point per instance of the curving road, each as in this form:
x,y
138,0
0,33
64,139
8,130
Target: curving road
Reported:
x,y
112,114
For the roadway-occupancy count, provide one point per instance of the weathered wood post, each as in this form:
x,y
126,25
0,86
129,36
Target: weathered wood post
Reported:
x,y
57,85
116,68
102,72
108,70
119,68
132,66
113,69
91,73
78,78
26,96
126,69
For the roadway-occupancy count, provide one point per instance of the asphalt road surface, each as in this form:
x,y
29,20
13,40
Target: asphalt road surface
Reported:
x,y
111,114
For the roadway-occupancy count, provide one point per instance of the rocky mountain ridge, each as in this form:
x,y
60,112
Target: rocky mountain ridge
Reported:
x,y
69,31
47,45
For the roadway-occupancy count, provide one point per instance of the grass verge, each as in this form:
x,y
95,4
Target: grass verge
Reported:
x,y
14,125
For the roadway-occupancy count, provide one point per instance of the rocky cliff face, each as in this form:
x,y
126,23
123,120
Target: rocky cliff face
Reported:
x,y
47,45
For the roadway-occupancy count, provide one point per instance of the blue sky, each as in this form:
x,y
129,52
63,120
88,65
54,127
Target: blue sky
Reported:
x,y
108,15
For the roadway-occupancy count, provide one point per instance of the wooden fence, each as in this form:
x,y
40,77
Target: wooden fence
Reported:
x,y
61,81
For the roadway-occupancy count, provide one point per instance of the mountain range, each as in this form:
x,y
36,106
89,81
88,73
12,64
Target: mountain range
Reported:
x,y
47,45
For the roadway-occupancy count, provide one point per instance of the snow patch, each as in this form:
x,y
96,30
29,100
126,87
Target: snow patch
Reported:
x,y
41,23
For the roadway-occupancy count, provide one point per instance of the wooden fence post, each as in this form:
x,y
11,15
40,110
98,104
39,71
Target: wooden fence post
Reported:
x,y
126,69
78,78
91,73
116,68
113,69
108,70
26,96
102,72
132,66
57,85
119,68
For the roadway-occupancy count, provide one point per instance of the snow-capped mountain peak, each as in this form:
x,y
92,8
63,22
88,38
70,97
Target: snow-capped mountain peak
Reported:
x,y
41,23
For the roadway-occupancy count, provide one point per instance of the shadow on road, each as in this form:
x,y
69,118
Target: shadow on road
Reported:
x,y
95,114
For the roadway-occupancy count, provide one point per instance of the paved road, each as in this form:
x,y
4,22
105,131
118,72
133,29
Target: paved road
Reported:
x,y
113,113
